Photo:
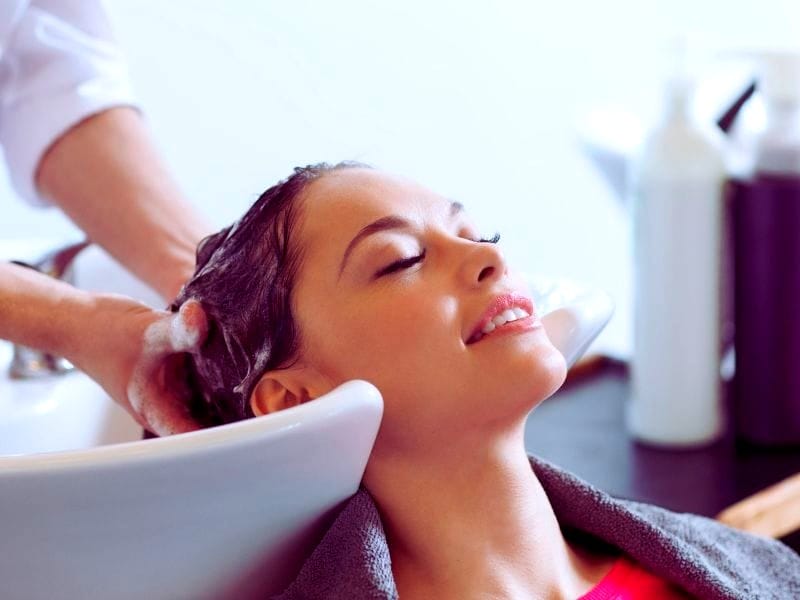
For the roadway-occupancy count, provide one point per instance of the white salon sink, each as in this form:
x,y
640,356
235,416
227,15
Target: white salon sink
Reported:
x,y
90,510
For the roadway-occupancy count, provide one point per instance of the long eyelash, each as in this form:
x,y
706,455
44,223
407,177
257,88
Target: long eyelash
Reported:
x,y
401,264
492,240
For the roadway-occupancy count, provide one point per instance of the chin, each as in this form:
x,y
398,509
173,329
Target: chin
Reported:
x,y
558,371
546,375
529,382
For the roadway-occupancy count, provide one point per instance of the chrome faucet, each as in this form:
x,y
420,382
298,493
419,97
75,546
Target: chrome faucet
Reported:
x,y
29,363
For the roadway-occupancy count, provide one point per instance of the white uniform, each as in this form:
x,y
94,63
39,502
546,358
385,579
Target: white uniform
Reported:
x,y
58,66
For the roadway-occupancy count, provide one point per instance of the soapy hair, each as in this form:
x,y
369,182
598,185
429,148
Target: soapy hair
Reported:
x,y
243,279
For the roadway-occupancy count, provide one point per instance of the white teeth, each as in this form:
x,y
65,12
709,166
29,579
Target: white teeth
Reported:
x,y
508,315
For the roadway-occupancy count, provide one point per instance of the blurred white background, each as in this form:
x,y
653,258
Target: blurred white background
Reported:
x,y
480,101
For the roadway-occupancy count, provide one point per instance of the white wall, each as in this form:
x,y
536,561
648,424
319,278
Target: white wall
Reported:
x,y
479,100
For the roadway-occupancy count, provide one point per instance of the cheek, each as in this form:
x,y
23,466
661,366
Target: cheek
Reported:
x,y
388,343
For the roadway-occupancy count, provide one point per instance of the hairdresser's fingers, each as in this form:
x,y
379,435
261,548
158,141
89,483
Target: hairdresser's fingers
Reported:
x,y
156,391
164,413
189,327
183,331
159,398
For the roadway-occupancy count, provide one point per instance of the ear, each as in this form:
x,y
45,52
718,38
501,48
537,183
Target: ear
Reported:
x,y
276,391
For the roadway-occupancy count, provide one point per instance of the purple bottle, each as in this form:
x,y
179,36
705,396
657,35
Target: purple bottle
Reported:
x,y
763,214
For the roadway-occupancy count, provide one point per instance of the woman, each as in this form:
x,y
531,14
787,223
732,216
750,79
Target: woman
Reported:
x,y
344,272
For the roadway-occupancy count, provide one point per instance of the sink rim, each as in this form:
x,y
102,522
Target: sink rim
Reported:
x,y
346,397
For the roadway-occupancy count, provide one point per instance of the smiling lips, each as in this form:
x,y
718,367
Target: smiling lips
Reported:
x,y
504,310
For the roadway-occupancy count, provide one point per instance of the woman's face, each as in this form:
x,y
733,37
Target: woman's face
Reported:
x,y
406,326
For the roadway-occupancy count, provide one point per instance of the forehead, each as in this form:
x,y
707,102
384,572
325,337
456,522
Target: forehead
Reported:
x,y
368,192
336,206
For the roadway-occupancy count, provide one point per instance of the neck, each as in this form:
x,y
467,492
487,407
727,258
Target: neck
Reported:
x,y
475,519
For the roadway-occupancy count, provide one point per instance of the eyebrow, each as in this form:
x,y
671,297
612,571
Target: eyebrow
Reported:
x,y
384,224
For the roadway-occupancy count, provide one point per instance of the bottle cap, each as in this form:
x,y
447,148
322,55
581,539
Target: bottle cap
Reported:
x,y
779,76
679,85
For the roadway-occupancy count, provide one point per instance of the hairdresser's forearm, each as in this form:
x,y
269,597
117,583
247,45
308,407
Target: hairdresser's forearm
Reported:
x,y
107,177
42,312
114,339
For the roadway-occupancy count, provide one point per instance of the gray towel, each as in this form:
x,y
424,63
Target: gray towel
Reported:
x,y
705,558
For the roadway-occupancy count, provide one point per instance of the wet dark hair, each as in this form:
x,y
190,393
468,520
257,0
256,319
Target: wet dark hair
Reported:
x,y
243,280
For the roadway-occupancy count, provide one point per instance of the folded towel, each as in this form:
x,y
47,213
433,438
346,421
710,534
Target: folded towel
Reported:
x,y
706,558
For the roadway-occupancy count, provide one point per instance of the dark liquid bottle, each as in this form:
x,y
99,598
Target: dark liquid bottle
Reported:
x,y
764,220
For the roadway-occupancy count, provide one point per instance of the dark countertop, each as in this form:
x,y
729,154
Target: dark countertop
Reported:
x,y
581,428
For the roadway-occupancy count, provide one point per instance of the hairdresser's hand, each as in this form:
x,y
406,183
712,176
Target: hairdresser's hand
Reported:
x,y
134,353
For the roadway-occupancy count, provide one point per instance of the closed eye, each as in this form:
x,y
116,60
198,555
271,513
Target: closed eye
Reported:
x,y
398,265
405,263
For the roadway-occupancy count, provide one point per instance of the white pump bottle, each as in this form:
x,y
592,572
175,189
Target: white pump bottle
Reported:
x,y
676,189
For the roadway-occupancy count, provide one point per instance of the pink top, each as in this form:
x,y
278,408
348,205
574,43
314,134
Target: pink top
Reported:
x,y
628,580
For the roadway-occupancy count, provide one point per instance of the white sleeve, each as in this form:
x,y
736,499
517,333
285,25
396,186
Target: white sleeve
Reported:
x,y
60,66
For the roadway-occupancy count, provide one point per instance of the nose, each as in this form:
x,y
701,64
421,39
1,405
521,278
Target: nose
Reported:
x,y
484,264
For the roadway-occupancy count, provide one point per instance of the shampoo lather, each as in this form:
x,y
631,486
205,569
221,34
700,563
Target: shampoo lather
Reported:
x,y
676,188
